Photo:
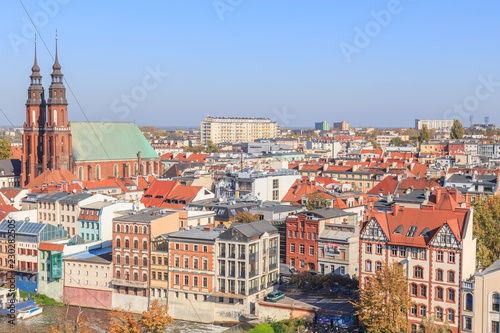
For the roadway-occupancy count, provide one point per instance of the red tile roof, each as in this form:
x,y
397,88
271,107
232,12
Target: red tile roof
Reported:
x,y
52,176
386,186
6,209
299,188
161,193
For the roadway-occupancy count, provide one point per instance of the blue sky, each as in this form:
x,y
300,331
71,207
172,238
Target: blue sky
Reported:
x,y
378,63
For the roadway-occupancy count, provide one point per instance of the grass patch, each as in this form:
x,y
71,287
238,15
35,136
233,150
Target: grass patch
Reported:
x,y
41,299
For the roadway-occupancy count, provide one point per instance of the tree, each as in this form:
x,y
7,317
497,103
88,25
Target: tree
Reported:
x,y
63,325
457,130
196,150
316,201
154,320
425,135
373,143
245,217
384,302
300,279
262,328
430,325
397,141
486,226
211,147
4,149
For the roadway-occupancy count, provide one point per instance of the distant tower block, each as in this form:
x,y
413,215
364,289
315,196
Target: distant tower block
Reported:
x,y
487,120
471,118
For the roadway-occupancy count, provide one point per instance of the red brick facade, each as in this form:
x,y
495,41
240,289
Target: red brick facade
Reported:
x,y
302,242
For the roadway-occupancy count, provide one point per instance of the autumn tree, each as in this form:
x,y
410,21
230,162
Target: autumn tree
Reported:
x,y
154,320
373,143
486,226
424,135
431,324
457,130
245,217
384,302
64,325
4,149
196,149
316,201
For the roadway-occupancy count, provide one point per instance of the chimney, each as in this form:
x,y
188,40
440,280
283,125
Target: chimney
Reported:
x,y
389,198
427,194
395,209
438,195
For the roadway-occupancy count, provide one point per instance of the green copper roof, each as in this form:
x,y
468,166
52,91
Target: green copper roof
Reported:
x,y
94,141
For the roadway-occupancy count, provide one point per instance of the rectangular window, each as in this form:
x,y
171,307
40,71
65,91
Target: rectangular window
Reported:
x,y
379,248
423,254
311,250
302,249
292,248
205,282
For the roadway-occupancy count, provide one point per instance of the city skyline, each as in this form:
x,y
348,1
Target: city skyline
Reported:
x,y
293,63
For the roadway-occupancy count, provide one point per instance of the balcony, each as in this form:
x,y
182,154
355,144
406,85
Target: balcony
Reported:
x,y
129,283
26,270
468,285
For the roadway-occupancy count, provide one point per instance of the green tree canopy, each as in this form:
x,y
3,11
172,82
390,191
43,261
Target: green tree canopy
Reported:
x,y
262,328
457,130
425,135
397,141
212,147
486,227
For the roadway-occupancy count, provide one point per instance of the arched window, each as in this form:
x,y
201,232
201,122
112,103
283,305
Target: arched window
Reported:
x,y
80,173
378,266
136,276
62,118
439,314
145,230
135,169
439,293
136,261
118,274
144,261
451,295
33,120
55,117
439,275
135,229
98,171
418,272
144,244
144,277
495,302
117,258
127,260
115,170
451,315
423,291
468,302
136,244
414,289
126,229
423,311
117,228
127,243
128,170
118,243
369,265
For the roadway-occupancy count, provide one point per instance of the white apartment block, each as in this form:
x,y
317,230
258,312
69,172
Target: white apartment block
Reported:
x,y
433,123
236,130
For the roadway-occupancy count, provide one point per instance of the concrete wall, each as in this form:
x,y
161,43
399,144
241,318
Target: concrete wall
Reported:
x,y
92,298
276,312
133,303
189,308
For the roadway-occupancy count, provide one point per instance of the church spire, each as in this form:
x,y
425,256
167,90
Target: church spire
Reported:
x,y
56,67
35,75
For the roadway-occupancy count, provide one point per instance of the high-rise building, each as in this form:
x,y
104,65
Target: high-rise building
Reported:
x,y
236,130
322,126
433,123
341,126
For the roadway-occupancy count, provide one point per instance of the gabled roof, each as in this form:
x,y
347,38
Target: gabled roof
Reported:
x,y
387,186
250,230
52,176
160,192
300,188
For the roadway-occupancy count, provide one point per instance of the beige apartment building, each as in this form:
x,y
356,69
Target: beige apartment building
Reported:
x,y
235,130
482,302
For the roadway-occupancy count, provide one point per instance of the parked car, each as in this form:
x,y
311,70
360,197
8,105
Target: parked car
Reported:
x,y
274,296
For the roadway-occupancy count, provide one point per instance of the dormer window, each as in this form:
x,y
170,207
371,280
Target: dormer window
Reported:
x,y
411,231
399,230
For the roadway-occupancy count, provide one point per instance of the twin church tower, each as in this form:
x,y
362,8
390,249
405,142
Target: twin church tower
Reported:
x,y
47,134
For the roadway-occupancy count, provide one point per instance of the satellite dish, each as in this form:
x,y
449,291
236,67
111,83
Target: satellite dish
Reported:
x,y
74,191
26,219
